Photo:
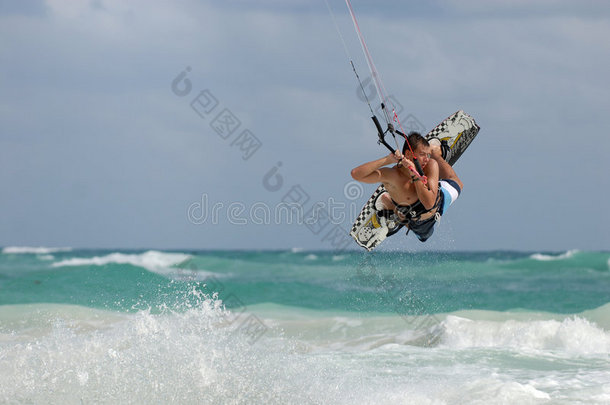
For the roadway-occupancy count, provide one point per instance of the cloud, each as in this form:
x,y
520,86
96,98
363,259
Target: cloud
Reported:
x,y
523,9
90,122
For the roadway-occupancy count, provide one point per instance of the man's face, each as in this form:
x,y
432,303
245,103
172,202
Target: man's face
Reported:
x,y
422,153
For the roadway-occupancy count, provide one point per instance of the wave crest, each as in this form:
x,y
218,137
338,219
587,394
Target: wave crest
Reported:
x,y
545,258
152,260
573,335
34,250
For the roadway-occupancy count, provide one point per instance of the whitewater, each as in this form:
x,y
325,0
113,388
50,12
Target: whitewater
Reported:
x,y
299,327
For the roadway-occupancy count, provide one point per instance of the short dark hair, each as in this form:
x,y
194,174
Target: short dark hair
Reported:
x,y
414,139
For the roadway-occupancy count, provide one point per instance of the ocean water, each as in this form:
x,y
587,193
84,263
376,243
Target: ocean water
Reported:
x,y
298,327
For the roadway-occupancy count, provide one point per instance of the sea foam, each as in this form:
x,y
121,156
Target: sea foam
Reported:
x,y
201,355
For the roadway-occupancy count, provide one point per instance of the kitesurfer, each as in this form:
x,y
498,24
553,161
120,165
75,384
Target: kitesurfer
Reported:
x,y
417,201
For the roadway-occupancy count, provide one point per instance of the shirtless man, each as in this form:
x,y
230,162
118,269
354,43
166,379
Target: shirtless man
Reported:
x,y
417,202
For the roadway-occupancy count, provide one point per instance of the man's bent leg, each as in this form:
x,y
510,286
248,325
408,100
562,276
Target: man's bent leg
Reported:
x,y
445,171
388,204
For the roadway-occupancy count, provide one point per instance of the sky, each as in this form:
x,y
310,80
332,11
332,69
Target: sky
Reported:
x,y
186,124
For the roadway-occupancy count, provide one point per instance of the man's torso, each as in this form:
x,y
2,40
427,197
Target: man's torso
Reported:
x,y
402,190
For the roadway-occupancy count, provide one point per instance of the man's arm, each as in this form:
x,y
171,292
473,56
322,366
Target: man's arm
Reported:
x,y
426,193
372,172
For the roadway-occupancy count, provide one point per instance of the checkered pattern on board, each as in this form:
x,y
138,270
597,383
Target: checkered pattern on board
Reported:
x,y
367,209
442,127
461,129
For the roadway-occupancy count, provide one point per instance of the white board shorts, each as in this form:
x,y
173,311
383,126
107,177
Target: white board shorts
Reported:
x,y
451,191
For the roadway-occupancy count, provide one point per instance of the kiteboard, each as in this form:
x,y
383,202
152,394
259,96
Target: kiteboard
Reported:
x,y
373,224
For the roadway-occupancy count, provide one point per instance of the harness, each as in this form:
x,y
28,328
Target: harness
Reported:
x,y
414,211
412,215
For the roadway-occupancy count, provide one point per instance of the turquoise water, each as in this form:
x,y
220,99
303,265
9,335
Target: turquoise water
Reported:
x,y
80,326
